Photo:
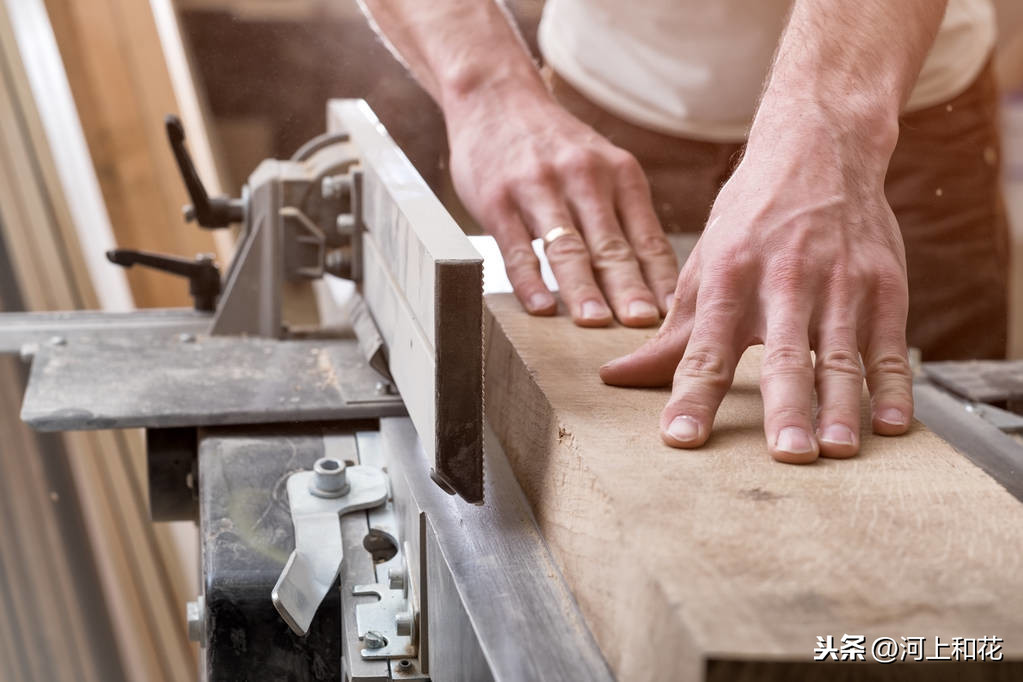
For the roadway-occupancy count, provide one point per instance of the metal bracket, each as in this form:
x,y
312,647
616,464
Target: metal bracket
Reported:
x,y
317,499
387,627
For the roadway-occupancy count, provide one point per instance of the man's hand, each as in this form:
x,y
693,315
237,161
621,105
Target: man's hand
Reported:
x,y
801,252
523,166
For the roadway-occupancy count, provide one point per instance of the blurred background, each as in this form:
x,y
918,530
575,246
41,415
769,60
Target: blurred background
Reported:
x,y
89,588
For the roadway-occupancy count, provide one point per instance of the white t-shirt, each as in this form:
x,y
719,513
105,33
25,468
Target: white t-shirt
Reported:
x,y
695,68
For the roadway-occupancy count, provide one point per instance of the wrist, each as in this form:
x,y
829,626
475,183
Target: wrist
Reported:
x,y
465,87
865,126
862,138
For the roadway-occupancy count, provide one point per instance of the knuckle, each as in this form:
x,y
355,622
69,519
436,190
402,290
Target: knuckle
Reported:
x,y
495,197
842,281
705,366
520,258
786,276
785,359
627,167
855,273
653,246
536,174
840,361
722,285
788,414
732,267
570,247
611,251
891,364
579,161
890,286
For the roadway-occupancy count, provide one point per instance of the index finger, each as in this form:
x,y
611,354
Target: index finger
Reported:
x,y
706,370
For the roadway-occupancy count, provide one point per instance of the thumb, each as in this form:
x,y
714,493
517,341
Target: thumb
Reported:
x,y
653,363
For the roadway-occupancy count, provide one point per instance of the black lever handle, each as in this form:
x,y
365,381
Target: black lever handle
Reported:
x,y
209,212
202,273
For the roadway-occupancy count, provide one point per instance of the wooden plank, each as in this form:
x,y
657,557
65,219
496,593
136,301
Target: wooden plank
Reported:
x,y
720,563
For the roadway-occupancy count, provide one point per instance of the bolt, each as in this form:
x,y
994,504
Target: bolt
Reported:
x,y
385,388
374,640
404,664
335,186
345,223
195,611
329,478
403,623
58,341
396,578
185,337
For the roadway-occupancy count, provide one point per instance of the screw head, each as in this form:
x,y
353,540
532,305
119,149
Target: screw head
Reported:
x,y
58,341
374,640
185,337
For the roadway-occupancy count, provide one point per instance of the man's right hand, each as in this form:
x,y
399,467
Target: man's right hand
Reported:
x,y
524,166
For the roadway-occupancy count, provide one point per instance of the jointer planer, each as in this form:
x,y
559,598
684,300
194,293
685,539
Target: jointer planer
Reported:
x,y
336,472
358,519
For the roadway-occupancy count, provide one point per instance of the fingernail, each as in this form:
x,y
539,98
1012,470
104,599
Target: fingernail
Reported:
x,y
837,434
794,441
643,310
892,416
611,363
684,429
594,310
539,301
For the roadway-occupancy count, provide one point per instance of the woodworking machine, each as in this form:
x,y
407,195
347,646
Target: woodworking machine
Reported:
x,y
336,471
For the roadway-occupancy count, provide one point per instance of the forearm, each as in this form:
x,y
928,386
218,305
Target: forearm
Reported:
x,y
456,50
845,69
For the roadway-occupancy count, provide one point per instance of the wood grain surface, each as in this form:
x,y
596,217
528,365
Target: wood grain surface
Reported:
x,y
720,563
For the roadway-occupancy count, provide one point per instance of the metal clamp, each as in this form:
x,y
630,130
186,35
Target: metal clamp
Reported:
x,y
317,499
